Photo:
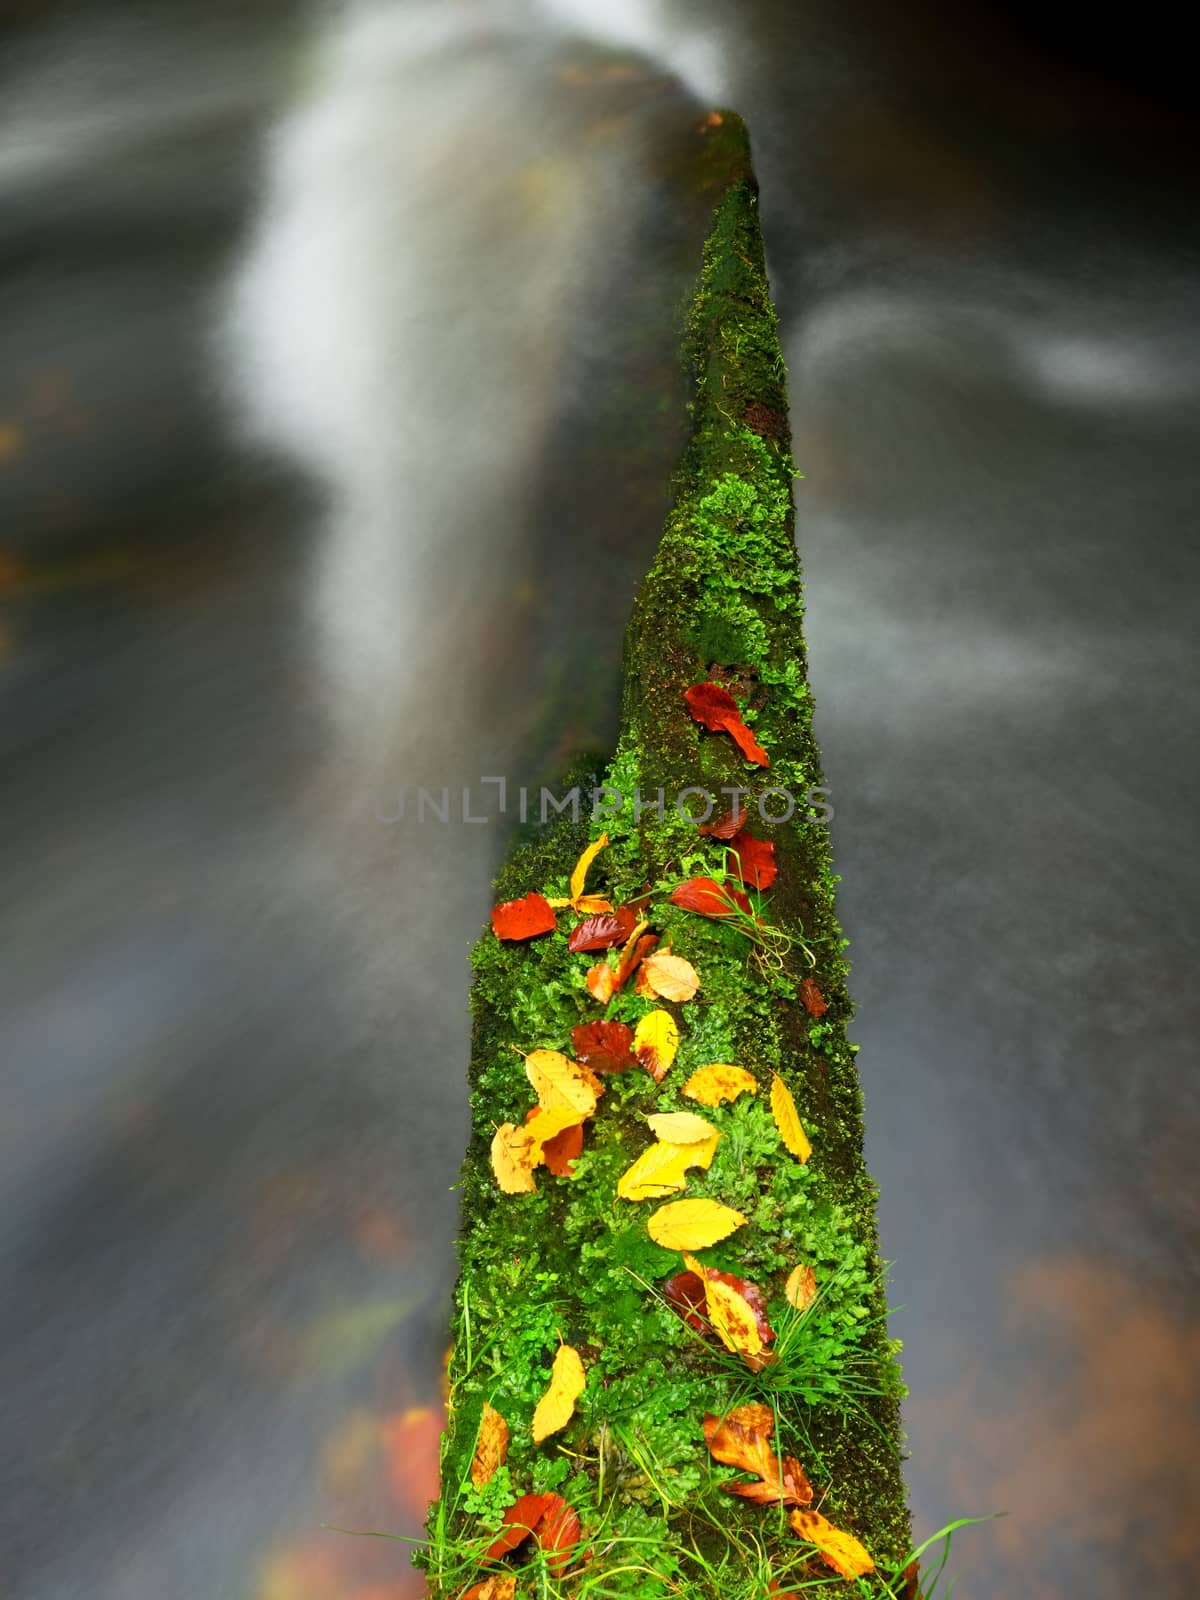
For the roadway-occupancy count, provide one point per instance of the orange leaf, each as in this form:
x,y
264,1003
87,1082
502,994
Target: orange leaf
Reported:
x,y
501,1587
558,1534
801,1288
742,1439
670,976
550,1520
601,982
522,919
561,1152
839,1550
637,948
491,1446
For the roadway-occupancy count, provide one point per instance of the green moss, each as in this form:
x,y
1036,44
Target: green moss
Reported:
x,y
572,1262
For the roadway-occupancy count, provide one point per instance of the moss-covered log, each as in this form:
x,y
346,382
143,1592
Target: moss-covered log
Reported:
x,y
571,1262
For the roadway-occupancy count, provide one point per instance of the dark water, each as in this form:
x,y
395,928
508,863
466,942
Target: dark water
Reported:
x,y
434,257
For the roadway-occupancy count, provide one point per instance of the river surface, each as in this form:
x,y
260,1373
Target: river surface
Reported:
x,y
337,403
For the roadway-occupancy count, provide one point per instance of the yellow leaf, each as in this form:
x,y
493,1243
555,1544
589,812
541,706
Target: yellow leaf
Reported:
x,y
491,1446
560,1083
681,1127
557,1406
711,1085
658,1171
670,976
839,1550
514,1155
732,1318
787,1119
704,1150
579,875
546,1125
693,1224
589,904
655,1041
801,1288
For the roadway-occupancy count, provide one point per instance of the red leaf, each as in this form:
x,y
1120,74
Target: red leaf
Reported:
x,y
711,705
716,709
560,1152
710,898
755,860
602,932
684,1293
520,1520
522,919
813,999
724,827
558,1533
747,743
604,1046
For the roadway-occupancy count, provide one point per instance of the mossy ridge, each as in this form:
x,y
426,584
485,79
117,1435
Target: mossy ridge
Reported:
x,y
723,599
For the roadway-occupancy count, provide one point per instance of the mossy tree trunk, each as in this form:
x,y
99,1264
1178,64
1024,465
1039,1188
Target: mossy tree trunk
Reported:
x,y
573,1263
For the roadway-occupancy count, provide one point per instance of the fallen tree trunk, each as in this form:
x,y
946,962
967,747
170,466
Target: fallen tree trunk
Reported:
x,y
575,1271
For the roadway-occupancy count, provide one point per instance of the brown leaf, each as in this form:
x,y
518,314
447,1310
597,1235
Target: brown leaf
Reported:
x,y
491,1446
602,932
812,999
522,919
604,1046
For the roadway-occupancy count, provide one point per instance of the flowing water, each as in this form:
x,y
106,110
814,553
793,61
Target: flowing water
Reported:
x,y
337,404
